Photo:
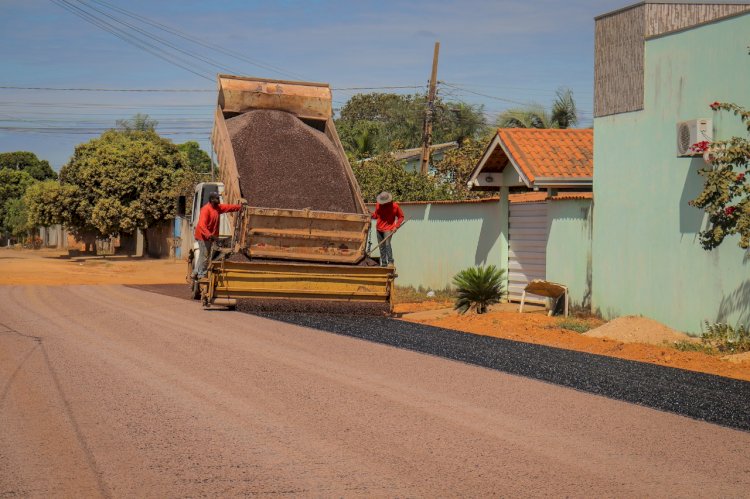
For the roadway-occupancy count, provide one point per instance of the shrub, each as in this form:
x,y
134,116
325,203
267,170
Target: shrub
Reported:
x,y
478,287
724,338
574,325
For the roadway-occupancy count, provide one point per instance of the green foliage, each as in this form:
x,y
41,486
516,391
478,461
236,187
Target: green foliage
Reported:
x,y
724,338
359,138
690,346
478,287
138,123
13,184
564,114
119,182
576,325
196,158
376,123
28,162
726,192
446,182
718,338
456,166
410,294
384,173
16,219
531,116
50,203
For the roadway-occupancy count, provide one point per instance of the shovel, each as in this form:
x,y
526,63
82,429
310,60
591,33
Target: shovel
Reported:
x,y
386,238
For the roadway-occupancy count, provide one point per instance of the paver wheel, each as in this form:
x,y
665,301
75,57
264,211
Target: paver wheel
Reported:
x,y
195,290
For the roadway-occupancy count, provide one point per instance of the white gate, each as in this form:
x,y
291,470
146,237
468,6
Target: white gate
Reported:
x,y
527,252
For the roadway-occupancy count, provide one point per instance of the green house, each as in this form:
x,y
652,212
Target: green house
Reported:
x,y
658,66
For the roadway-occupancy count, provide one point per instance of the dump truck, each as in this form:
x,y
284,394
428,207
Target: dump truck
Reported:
x,y
285,253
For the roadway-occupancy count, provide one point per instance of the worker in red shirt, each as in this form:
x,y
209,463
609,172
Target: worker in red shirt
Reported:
x,y
207,230
389,218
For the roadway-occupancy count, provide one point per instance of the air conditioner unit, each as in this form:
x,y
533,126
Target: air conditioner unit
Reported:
x,y
691,132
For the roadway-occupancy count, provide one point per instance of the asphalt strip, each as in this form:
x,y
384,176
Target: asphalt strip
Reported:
x,y
706,397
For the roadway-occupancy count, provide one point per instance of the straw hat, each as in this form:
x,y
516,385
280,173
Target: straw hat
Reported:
x,y
385,197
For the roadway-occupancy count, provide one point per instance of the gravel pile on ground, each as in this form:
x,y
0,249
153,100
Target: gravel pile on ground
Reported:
x,y
633,329
706,397
284,163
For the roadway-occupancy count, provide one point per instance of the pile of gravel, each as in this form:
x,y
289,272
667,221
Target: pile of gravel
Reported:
x,y
284,163
260,306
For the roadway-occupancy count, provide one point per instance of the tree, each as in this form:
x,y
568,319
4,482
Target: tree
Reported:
x,y
456,167
51,203
117,183
16,218
531,116
563,115
383,173
28,162
726,192
13,184
564,111
195,158
138,123
371,107
375,123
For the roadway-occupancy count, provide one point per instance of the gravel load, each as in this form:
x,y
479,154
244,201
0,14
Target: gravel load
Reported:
x,y
700,396
284,163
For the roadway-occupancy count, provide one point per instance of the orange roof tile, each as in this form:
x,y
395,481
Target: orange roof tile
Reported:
x,y
573,195
528,197
490,199
556,153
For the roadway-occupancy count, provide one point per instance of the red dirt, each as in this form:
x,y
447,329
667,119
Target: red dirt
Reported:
x,y
540,329
407,308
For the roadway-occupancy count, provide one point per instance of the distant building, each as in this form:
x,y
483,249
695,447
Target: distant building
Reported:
x,y
412,158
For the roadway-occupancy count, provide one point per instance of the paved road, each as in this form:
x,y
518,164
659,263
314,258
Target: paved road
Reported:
x,y
113,391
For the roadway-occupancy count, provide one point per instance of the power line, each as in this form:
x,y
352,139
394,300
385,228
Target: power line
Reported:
x,y
187,90
380,88
55,89
197,41
81,105
159,39
466,90
511,101
507,87
128,38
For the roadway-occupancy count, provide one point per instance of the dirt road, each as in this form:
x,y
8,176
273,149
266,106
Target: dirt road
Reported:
x,y
113,391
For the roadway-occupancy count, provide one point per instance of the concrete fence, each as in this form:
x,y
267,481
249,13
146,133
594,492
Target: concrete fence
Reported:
x,y
443,238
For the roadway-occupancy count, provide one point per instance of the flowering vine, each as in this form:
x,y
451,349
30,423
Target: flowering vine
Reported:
x,y
726,192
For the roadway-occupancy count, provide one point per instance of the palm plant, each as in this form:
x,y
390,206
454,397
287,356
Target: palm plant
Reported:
x,y
532,116
564,114
479,287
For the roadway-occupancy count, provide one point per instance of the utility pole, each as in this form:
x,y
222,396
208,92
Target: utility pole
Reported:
x,y
427,132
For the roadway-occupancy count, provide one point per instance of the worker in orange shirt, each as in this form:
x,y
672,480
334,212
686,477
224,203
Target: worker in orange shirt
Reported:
x,y
389,218
207,230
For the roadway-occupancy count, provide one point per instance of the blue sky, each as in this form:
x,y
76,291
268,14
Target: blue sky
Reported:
x,y
507,50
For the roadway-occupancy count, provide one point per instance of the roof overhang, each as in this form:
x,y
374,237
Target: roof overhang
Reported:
x,y
484,179
545,182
